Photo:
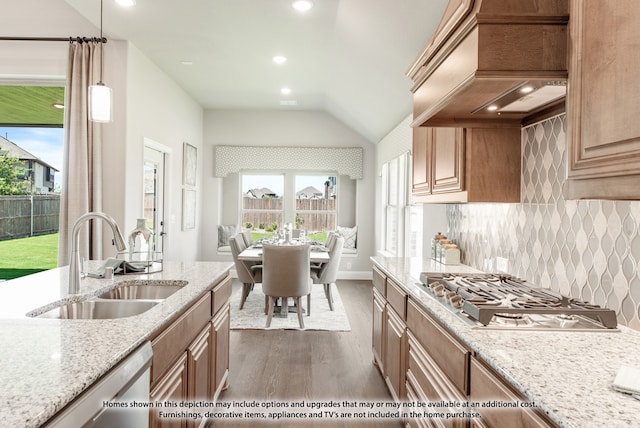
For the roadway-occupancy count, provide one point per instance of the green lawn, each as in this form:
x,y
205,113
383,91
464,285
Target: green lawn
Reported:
x,y
20,257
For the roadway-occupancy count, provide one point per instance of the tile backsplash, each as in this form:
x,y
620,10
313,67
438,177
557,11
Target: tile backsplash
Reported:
x,y
586,249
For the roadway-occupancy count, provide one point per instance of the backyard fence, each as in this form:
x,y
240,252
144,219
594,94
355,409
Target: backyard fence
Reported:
x,y
316,214
29,215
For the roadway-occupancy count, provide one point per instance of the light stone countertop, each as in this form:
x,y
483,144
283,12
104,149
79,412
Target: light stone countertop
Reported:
x,y
568,375
46,363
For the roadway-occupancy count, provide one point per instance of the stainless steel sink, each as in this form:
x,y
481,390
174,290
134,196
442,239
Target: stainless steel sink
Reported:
x,y
100,309
148,290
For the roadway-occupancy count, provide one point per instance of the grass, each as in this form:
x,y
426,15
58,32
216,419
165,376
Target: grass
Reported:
x,y
25,256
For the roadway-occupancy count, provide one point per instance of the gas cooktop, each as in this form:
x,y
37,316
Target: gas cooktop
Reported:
x,y
506,302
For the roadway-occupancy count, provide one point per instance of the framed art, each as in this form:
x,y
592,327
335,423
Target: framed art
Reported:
x,y
189,162
188,209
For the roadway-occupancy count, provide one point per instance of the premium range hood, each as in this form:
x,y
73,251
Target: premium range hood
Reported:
x,y
492,63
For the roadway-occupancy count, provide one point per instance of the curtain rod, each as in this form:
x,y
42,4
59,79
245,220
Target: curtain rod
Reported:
x,y
54,39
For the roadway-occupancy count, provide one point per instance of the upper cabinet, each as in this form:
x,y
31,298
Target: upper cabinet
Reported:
x,y
466,165
602,100
493,63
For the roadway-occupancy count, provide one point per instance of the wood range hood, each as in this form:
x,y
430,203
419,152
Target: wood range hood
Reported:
x,y
493,63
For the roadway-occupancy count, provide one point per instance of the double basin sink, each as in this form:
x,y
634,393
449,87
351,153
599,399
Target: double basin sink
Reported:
x,y
125,300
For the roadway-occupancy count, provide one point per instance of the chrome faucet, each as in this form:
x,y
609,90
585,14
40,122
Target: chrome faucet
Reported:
x,y
74,259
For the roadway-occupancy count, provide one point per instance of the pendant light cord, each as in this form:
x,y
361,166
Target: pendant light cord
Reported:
x,y
101,47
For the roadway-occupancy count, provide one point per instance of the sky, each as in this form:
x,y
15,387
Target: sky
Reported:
x,y
44,143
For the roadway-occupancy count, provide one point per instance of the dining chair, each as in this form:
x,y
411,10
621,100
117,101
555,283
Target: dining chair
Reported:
x,y
248,238
249,273
285,274
327,273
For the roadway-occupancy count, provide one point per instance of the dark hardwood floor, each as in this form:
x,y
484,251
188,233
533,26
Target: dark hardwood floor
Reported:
x,y
291,366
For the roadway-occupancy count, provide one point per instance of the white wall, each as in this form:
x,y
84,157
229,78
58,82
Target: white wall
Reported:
x,y
156,108
284,128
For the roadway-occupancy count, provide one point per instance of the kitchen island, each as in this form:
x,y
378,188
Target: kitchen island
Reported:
x,y
568,375
46,363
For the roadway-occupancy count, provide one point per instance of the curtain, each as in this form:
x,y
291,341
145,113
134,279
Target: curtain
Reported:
x,y
82,172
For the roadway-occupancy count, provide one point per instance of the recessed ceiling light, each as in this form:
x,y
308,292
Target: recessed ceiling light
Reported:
x,y
492,108
279,59
126,3
186,62
285,91
302,5
58,105
526,89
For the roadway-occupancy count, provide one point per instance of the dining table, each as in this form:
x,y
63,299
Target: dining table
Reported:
x,y
318,254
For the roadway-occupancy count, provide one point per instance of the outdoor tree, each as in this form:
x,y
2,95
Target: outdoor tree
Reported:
x,y
11,171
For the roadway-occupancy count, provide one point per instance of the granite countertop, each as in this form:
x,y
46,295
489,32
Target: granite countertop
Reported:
x,y
46,363
568,375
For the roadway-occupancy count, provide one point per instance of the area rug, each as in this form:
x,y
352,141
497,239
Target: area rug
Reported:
x,y
252,316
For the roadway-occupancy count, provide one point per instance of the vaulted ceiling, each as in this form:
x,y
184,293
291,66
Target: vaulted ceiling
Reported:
x,y
346,57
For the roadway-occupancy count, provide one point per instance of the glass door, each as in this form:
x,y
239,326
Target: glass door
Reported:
x,y
153,194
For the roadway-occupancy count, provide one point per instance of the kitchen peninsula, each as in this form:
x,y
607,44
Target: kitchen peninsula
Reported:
x,y
568,375
46,363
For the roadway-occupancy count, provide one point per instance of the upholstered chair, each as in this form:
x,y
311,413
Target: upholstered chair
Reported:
x,y
327,273
248,239
249,273
285,274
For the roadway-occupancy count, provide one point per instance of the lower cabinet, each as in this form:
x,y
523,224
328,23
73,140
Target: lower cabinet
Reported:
x,y
486,385
427,382
422,361
378,329
395,367
191,358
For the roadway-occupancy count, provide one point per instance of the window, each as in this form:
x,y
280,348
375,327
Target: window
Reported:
x,y
316,203
262,201
308,201
401,221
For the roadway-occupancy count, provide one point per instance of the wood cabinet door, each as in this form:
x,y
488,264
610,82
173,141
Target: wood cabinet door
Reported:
x,y
220,328
378,330
602,100
172,386
447,160
198,363
487,386
421,159
395,355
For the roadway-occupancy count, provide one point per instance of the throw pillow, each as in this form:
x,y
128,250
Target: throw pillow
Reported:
x,y
225,232
349,234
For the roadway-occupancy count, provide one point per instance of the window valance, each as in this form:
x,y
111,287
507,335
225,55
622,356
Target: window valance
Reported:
x,y
343,160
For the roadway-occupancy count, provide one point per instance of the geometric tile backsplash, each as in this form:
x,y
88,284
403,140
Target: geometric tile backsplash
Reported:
x,y
588,249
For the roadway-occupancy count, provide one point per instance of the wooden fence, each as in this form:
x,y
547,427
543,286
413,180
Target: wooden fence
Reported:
x,y
316,214
22,216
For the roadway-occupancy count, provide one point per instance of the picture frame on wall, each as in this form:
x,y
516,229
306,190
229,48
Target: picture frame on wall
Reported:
x,y
188,209
189,163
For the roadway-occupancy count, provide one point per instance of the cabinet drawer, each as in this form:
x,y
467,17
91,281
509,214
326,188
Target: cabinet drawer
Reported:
x,y
177,337
487,386
397,298
221,293
379,281
451,356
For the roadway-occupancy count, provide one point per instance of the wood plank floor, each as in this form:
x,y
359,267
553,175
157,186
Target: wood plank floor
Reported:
x,y
290,366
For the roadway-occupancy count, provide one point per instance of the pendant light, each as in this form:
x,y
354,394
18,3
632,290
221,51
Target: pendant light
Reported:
x,y
100,100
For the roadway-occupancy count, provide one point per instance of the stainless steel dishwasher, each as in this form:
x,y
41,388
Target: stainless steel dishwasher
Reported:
x,y
126,383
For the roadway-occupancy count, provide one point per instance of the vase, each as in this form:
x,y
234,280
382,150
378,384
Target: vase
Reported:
x,y
141,242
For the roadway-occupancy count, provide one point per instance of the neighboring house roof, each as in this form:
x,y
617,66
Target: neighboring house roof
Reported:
x,y
308,193
261,193
16,151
